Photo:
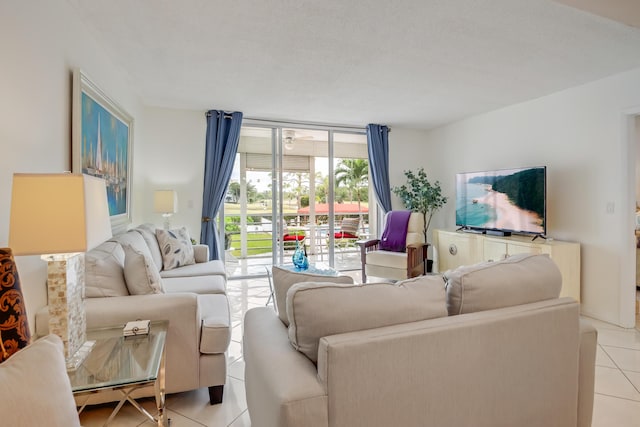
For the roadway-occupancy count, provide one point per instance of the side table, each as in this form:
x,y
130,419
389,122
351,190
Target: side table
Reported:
x,y
125,364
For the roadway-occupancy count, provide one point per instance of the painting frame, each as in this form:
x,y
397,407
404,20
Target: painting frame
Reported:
x,y
103,151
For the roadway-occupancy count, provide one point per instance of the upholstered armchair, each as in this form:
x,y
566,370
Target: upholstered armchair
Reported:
x,y
396,265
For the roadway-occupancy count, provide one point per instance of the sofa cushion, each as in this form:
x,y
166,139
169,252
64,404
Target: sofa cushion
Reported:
x,y
36,390
176,248
519,279
387,259
216,324
140,273
317,310
196,284
210,268
104,271
283,279
148,233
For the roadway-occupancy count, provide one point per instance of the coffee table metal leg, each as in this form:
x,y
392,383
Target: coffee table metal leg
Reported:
x,y
160,393
266,267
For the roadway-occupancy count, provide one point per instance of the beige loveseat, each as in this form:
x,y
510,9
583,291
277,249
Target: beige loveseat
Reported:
x,y
193,299
497,347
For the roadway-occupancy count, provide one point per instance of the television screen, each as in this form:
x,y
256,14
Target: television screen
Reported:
x,y
511,200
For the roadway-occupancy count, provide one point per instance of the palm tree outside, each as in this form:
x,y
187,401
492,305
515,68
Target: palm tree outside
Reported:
x,y
354,175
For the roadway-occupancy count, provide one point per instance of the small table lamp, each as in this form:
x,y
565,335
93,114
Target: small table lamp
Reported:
x,y
61,216
166,203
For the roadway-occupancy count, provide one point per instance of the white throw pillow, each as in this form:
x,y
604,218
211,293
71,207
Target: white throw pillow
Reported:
x,y
104,271
148,233
140,273
284,279
519,279
176,248
35,389
318,310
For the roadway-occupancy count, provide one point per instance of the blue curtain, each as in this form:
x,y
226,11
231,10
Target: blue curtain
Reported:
x,y
223,135
378,147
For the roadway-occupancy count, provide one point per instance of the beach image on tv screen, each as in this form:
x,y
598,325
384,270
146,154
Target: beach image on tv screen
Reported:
x,y
510,199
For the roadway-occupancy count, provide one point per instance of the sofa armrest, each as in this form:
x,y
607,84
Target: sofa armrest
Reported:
x,y
201,253
181,309
586,372
281,383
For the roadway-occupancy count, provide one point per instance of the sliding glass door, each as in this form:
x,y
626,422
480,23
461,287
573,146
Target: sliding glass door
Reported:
x,y
296,186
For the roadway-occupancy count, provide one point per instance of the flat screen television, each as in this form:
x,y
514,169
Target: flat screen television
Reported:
x,y
506,201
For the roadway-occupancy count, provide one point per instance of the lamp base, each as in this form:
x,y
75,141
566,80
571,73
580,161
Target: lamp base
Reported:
x,y
167,220
67,318
75,360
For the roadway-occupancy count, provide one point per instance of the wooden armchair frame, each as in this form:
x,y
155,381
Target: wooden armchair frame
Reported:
x,y
416,257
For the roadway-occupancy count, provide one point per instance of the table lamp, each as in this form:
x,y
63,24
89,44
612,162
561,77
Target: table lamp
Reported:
x,y
60,216
166,203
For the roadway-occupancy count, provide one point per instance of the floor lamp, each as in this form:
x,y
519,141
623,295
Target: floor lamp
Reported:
x,y
60,216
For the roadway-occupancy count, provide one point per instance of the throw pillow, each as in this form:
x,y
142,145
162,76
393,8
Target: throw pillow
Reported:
x,y
283,279
104,271
148,233
176,248
317,310
36,390
519,279
140,273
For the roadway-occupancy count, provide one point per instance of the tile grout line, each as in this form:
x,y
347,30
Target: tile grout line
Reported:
x,y
619,368
618,397
236,418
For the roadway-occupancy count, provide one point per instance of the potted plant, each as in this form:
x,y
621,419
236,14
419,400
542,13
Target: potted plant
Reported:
x,y
419,195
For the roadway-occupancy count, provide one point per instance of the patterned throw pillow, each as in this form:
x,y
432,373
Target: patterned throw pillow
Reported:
x,y
14,330
176,248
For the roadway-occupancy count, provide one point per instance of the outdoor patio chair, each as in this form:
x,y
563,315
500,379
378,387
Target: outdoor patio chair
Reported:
x,y
290,237
347,235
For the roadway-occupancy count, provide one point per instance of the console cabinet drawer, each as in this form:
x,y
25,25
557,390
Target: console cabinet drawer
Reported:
x,y
457,248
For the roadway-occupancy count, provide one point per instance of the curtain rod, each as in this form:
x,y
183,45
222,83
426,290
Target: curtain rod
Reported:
x,y
295,123
226,115
313,125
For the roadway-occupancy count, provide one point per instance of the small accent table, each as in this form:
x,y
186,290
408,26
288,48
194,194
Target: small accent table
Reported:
x,y
124,364
318,268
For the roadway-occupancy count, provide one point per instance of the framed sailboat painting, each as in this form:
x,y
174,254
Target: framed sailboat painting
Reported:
x,y
102,145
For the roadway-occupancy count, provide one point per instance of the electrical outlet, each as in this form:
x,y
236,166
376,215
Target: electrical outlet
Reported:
x,y
611,207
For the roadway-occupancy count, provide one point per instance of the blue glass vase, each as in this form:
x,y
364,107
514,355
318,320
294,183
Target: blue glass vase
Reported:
x,y
299,258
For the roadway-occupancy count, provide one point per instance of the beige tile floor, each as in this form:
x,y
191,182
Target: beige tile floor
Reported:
x,y
616,402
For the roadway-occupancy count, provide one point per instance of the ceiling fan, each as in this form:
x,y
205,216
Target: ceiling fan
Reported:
x,y
289,138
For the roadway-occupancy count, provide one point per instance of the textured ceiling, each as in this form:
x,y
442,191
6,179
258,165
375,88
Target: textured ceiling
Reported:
x,y
416,64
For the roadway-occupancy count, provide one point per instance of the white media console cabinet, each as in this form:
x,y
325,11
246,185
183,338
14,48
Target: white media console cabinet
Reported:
x,y
456,248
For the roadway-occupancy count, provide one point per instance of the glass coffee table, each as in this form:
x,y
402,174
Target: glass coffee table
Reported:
x,y
125,365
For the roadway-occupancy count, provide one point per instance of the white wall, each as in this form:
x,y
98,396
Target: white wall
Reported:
x,y
171,158
580,135
41,43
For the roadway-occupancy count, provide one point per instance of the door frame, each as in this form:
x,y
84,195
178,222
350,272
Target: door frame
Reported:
x,y
627,289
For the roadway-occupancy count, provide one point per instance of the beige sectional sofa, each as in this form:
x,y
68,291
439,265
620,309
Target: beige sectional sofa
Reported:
x,y
192,297
487,345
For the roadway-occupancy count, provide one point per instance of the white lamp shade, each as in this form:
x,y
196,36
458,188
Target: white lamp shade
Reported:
x,y
165,201
58,213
